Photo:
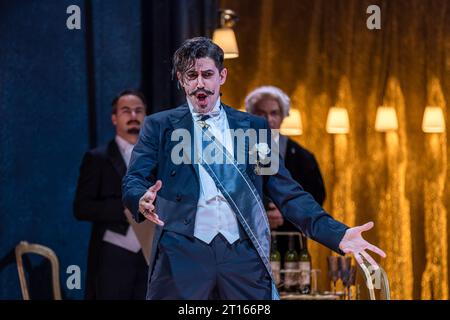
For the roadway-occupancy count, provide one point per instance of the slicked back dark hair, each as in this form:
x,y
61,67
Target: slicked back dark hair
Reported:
x,y
196,48
127,92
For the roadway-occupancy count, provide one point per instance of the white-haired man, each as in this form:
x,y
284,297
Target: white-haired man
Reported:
x,y
273,104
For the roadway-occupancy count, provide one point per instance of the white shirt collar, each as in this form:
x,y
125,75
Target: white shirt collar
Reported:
x,y
123,144
125,149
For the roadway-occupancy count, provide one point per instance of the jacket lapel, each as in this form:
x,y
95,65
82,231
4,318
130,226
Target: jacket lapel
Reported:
x,y
116,159
238,120
181,118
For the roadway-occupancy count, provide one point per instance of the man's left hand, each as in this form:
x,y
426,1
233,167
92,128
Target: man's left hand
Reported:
x,y
354,243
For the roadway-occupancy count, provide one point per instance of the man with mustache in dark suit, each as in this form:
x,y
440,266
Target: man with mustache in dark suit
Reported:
x,y
116,265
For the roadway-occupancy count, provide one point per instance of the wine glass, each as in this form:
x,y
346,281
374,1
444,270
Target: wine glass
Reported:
x,y
351,281
345,264
333,271
315,275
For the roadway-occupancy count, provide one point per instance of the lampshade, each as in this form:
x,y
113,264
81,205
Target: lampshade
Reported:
x,y
292,124
337,121
386,119
433,120
226,39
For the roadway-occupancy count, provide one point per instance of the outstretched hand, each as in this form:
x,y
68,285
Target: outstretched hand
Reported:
x,y
146,206
354,243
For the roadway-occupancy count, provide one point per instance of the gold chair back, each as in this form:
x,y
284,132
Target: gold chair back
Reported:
x,y
25,248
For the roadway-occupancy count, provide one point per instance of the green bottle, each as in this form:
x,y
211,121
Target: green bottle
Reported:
x,y
275,260
305,267
291,267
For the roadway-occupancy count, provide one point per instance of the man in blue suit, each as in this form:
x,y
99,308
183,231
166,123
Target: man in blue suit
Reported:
x,y
212,239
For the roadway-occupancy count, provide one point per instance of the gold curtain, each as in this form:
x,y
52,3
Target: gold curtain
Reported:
x,y
435,212
322,54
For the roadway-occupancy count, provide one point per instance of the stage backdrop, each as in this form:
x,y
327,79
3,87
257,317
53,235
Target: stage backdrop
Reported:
x,y
56,86
322,54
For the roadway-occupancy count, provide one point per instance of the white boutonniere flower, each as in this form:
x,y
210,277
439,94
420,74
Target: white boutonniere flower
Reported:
x,y
262,150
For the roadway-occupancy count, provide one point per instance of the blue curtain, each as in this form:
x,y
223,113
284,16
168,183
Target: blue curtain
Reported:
x,y
55,91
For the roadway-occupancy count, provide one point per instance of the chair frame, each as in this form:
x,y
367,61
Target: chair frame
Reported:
x,y
384,282
25,248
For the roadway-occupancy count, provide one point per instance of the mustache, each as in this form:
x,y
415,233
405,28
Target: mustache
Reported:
x,y
137,122
133,131
205,91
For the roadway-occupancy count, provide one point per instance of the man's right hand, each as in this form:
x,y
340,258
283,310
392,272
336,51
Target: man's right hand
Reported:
x,y
274,215
146,206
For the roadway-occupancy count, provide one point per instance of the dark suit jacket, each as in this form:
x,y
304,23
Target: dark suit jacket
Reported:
x,y
99,199
304,168
177,200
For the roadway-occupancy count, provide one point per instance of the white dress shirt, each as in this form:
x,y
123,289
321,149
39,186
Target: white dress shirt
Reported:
x,y
214,214
128,241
